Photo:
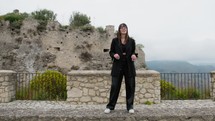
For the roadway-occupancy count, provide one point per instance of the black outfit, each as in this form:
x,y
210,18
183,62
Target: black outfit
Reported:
x,y
122,67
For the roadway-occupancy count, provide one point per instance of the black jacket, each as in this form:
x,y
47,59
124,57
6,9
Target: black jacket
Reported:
x,y
116,48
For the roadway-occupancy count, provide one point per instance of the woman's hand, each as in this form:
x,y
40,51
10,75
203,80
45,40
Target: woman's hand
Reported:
x,y
116,56
133,57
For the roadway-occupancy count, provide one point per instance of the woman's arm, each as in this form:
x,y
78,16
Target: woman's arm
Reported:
x,y
113,53
112,49
133,56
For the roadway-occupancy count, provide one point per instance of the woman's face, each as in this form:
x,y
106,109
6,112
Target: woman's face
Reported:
x,y
123,30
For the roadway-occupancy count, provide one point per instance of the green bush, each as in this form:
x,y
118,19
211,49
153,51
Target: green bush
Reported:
x,y
167,90
189,93
101,30
15,19
42,25
23,93
43,16
87,28
16,25
1,18
11,17
78,19
148,103
49,85
206,94
63,27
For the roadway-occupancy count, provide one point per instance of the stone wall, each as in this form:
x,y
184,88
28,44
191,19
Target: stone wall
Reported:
x,y
7,86
213,85
93,87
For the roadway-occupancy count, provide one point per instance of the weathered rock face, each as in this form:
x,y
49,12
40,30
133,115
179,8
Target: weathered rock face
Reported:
x,y
28,50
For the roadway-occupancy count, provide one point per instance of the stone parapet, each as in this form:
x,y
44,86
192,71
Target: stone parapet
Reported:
x,y
7,85
213,85
93,87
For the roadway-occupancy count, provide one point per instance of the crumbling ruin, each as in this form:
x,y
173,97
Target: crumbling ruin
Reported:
x,y
29,50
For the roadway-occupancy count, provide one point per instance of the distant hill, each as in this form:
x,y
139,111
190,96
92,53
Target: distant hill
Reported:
x,y
178,67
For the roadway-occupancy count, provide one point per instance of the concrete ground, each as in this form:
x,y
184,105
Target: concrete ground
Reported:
x,y
176,110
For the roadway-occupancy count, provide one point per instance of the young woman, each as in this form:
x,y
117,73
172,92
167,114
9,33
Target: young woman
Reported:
x,y
122,52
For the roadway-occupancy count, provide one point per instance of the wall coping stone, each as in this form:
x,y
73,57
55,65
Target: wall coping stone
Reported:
x,y
7,71
107,72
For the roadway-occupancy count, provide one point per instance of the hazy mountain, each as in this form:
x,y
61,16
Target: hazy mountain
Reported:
x,y
178,67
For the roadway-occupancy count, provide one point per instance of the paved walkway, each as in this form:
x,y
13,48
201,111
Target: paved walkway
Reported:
x,y
201,110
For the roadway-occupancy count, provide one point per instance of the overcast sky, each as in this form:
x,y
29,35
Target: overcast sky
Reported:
x,y
168,29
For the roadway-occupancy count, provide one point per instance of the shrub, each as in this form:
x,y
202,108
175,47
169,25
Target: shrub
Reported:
x,y
167,89
140,46
206,94
87,28
16,25
63,27
1,18
78,19
11,17
101,30
42,25
15,19
75,67
148,103
43,16
23,93
49,85
189,93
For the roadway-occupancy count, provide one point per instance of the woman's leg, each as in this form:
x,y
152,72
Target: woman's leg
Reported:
x,y
114,93
130,90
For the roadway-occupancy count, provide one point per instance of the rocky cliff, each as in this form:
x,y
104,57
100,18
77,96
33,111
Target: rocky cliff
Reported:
x,y
29,50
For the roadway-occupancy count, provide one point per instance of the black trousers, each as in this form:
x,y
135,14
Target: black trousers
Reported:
x,y
116,85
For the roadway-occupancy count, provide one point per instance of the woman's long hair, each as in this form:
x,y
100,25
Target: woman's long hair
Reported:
x,y
119,34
